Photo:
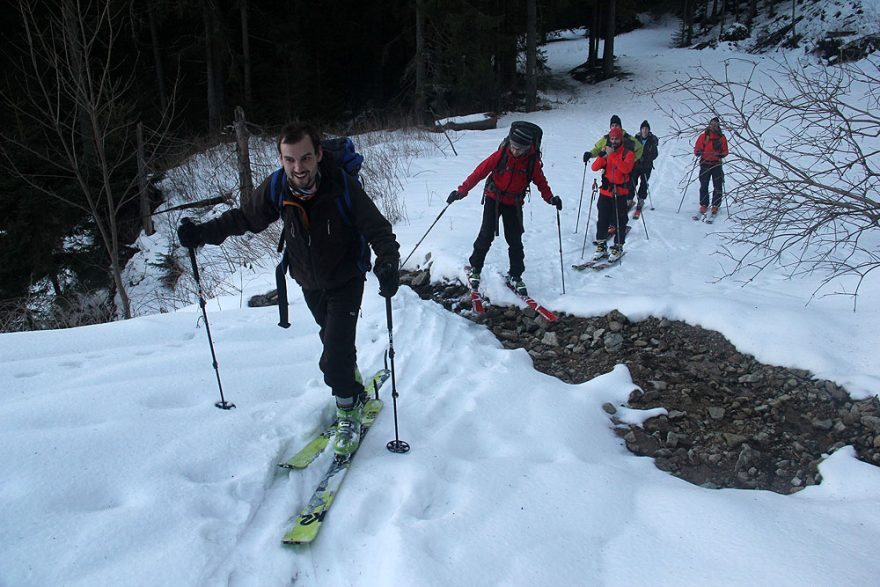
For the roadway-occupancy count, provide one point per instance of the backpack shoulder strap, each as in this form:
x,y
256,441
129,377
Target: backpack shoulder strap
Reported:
x,y
530,170
343,203
276,188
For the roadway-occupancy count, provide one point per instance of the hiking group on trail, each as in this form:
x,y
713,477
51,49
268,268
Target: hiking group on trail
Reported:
x,y
330,224
626,163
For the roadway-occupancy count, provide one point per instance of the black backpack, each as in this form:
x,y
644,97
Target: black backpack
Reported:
x,y
349,161
524,128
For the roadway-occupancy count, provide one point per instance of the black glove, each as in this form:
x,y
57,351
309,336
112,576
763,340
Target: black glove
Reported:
x,y
190,234
388,275
587,156
453,196
555,201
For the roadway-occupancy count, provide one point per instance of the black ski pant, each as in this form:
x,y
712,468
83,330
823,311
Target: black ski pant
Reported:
x,y
714,171
512,217
336,312
606,219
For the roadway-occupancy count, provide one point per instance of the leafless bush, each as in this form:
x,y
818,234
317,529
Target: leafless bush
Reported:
x,y
388,156
803,166
68,311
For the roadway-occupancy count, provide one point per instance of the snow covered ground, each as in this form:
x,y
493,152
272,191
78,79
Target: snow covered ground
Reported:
x,y
118,469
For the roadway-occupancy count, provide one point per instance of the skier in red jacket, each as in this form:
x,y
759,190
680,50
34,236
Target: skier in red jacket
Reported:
x,y
503,196
711,148
617,162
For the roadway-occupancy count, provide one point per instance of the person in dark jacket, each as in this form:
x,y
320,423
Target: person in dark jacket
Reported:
x,y
504,196
711,148
642,170
325,254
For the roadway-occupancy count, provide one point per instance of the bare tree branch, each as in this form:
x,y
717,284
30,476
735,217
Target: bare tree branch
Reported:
x,y
803,166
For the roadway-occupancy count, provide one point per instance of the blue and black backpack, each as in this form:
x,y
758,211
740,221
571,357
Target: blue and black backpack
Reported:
x,y
349,161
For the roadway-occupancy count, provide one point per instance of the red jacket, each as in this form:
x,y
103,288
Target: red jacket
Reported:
x,y
508,184
710,147
617,165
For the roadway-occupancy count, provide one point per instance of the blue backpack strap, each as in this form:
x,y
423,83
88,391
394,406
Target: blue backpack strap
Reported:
x,y
343,204
276,189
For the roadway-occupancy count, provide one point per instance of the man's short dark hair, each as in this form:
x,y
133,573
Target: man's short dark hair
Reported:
x,y
294,132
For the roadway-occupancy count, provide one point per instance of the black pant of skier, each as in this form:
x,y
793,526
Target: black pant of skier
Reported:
x,y
511,216
714,171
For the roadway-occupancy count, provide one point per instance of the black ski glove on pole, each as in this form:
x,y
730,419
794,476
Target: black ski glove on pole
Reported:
x,y
190,234
388,275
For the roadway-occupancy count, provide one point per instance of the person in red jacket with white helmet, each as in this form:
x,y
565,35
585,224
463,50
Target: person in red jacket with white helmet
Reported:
x,y
711,148
504,196
616,161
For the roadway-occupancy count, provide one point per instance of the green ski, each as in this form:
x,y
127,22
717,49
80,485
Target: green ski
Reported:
x,y
313,449
308,522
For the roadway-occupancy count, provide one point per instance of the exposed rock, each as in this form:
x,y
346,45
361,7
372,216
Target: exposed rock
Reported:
x,y
731,421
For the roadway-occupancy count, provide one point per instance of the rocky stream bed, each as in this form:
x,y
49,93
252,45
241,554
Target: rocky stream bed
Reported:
x,y
731,421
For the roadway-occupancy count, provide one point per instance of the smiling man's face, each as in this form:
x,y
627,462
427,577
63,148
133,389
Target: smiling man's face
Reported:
x,y
300,162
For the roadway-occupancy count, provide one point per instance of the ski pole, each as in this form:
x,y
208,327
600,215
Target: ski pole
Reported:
x,y
581,200
561,265
589,215
650,199
645,224
396,445
222,404
723,193
684,191
426,234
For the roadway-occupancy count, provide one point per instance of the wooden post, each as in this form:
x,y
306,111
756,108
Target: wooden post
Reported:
x,y
245,180
144,195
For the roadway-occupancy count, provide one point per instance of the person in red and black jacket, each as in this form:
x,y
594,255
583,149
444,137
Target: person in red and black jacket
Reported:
x,y
711,148
504,196
616,161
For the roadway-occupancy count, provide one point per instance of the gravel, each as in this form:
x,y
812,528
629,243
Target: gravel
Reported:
x,y
731,421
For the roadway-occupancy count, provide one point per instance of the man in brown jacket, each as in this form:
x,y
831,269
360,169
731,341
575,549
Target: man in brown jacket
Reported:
x,y
328,222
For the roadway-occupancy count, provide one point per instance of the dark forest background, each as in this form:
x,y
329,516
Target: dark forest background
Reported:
x,y
88,84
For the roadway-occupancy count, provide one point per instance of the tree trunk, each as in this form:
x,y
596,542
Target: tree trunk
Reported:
x,y
144,197
157,58
246,53
593,51
245,180
531,55
687,28
753,12
212,67
421,107
608,53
